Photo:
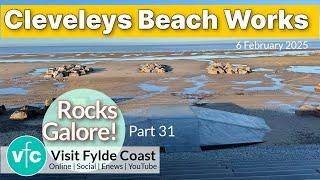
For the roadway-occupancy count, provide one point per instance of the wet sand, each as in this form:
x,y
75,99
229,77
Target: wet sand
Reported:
x,y
271,93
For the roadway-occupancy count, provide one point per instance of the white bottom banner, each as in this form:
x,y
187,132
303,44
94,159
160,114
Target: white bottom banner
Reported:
x,y
95,160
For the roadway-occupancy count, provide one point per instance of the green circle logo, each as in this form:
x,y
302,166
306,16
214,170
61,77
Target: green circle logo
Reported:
x,y
26,155
83,120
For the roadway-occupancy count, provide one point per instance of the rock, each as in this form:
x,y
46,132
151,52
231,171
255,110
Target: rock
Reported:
x,y
48,102
61,69
221,68
26,112
78,66
228,66
47,76
308,110
157,70
89,69
230,71
74,74
82,72
70,66
154,68
60,72
58,76
55,74
65,73
2,109
215,64
248,69
213,71
242,71
19,115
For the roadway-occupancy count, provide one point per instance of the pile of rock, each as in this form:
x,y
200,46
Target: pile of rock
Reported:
x,y
67,70
227,68
26,112
317,88
154,68
308,110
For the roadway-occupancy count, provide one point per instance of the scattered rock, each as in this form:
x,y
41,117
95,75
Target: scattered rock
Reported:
x,y
73,70
26,112
154,68
227,68
2,109
308,110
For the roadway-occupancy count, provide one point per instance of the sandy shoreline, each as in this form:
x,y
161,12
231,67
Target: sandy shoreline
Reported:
x,y
271,93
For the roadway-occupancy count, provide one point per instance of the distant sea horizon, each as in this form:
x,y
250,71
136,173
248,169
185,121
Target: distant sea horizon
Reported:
x,y
132,48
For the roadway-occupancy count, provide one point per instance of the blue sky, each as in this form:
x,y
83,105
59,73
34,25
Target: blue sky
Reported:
x,y
160,2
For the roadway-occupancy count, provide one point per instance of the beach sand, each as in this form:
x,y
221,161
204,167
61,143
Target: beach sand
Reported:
x,y
272,93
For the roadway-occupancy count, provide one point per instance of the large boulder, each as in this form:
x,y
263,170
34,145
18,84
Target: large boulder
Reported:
x,y
308,110
19,115
26,112
227,68
154,68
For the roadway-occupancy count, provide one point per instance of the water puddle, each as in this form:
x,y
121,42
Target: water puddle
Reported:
x,y
38,71
89,63
169,79
13,91
277,85
305,69
152,88
247,82
307,88
59,85
198,82
262,70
